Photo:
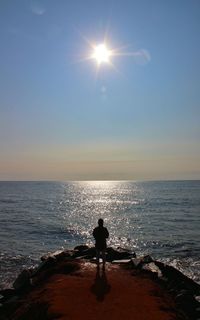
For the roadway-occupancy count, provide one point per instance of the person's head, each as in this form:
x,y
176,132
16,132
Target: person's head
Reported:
x,y
100,222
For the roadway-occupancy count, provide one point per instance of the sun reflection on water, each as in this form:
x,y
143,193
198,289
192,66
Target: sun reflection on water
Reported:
x,y
110,200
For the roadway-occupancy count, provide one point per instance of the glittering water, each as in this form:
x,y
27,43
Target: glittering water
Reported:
x,y
158,218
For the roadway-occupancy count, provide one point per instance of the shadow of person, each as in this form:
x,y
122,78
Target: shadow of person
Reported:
x,y
100,286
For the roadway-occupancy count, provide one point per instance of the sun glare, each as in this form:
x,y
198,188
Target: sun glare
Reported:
x,y
101,54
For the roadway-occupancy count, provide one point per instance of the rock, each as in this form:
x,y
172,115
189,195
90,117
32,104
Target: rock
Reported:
x,y
94,260
85,254
151,267
186,301
113,254
60,262
182,288
136,262
59,254
12,300
147,259
164,280
64,254
44,265
90,252
81,248
7,293
51,255
198,311
54,267
139,262
131,252
8,307
22,281
178,280
123,261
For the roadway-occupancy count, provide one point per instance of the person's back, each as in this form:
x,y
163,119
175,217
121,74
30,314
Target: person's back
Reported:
x,y
100,234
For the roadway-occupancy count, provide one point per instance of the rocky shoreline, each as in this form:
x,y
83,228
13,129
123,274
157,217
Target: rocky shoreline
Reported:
x,y
184,291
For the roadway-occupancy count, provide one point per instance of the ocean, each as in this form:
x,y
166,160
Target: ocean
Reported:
x,y
157,218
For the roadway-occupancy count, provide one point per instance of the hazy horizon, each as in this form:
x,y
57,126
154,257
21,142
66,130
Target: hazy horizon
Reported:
x,y
64,117
99,181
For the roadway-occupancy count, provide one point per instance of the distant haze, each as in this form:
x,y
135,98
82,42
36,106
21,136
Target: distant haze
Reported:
x,y
106,162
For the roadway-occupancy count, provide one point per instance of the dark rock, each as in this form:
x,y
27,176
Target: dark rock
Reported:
x,y
198,311
183,295
164,280
85,254
9,296
63,255
35,310
186,301
12,300
178,280
151,267
23,280
63,267
8,307
90,252
81,248
85,257
46,264
183,289
123,261
113,254
136,262
7,293
131,252
58,255
139,262
51,255
147,259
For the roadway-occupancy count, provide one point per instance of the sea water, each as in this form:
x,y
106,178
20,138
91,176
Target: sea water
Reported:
x,y
157,218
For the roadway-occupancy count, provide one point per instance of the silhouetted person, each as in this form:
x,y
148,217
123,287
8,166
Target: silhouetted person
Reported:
x,y
100,234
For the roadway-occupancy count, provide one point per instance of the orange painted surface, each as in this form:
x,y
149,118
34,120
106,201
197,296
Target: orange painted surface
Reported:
x,y
87,294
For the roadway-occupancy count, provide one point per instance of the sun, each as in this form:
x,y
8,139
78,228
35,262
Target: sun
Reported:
x,y
101,53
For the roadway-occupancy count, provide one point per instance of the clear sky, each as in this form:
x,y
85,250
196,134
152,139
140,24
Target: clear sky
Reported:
x,y
137,120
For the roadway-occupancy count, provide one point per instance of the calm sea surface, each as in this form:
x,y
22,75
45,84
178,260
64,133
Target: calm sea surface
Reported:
x,y
158,218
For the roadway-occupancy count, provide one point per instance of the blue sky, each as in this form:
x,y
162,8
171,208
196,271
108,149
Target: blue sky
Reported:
x,y
61,120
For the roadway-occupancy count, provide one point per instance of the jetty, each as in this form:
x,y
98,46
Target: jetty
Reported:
x,y
68,285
